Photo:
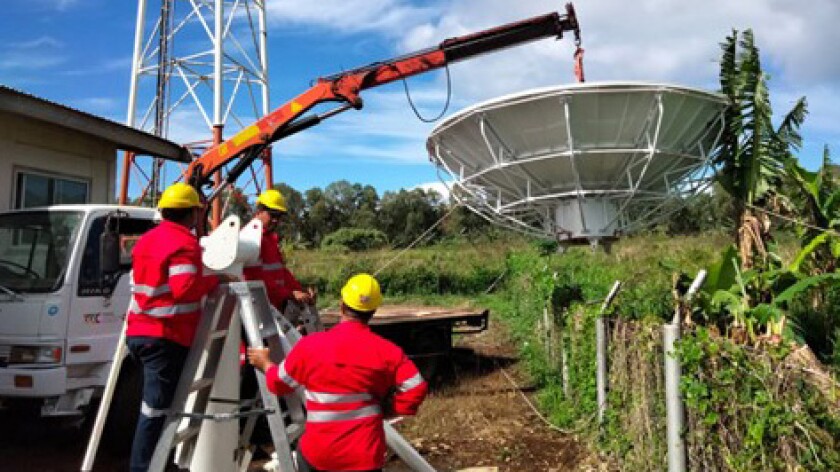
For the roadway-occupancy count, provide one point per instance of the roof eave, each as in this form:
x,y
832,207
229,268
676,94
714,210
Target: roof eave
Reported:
x,y
123,137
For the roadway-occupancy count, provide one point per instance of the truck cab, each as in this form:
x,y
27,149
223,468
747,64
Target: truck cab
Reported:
x,y
61,306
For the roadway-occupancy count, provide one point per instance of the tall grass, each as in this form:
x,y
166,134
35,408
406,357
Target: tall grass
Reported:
x,y
746,411
448,272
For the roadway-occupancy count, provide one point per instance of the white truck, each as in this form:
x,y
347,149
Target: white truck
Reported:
x,y
64,291
62,306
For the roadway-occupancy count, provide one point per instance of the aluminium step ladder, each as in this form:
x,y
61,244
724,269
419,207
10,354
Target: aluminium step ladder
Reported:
x,y
192,396
263,326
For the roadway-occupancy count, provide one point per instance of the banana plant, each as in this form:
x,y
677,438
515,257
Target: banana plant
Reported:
x,y
752,152
756,300
817,194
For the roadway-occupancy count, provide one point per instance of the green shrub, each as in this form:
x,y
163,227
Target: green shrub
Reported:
x,y
355,239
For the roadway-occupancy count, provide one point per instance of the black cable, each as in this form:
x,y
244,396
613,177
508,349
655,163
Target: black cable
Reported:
x,y
445,107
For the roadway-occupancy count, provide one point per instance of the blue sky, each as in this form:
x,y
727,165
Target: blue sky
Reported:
x,y
78,52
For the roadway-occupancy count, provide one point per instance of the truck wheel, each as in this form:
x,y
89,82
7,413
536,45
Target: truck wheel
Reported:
x,y
428,367
118,433
427,346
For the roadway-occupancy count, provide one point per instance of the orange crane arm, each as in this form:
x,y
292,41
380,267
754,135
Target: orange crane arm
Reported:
x,y
249,143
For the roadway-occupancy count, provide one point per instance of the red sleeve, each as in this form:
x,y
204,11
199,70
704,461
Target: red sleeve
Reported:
x,y
186,279
274,379
284,378
278,283
289,285
411,388
252,273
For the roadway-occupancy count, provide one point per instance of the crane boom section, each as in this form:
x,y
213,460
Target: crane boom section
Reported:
x,y
345,87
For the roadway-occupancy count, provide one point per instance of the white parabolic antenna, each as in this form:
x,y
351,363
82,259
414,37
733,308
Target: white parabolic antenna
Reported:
x,y
580,163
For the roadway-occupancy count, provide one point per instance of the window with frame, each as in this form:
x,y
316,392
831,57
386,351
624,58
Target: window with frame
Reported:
x,y
36,190
90,273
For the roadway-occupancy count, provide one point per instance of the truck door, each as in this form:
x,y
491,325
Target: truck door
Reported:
x,y
100,303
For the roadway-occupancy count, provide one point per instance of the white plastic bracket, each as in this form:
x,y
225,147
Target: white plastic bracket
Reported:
x,y
229,249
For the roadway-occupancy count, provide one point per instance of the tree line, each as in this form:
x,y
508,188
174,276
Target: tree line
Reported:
x,y
355,216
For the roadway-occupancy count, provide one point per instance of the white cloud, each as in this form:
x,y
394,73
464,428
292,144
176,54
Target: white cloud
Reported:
x,y
438,187
64,4
653,40
656,40
37,43
57,5
31,55
105,67
101,106
349,16
19,62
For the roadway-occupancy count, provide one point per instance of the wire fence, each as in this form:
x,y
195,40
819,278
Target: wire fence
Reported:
x,y
748,408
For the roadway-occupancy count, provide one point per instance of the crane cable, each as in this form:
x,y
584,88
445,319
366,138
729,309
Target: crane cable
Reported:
x,y
445,106
419,238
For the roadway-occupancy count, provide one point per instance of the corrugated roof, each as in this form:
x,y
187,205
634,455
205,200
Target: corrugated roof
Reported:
x,y
122,136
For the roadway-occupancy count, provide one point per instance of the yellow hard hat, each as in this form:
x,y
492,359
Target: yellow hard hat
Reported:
x,y
179,195
273,200
362,293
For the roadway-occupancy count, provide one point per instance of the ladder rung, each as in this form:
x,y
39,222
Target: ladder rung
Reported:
x,y
228,416
294,431
268,332
201,384
185,434
218,334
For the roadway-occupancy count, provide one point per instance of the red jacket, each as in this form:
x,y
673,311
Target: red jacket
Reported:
x,y
279,281
167,284
348,371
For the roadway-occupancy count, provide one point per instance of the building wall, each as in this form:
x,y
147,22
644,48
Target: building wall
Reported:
x,y
35,146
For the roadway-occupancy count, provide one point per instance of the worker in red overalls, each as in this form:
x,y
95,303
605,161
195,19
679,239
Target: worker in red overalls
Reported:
x,y
167,285
354,379
271,268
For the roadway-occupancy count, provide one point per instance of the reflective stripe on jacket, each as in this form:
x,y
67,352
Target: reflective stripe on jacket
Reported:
x,y
167,284
278,279
347,372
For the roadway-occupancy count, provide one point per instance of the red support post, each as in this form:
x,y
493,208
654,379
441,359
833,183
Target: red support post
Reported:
x,y
128,161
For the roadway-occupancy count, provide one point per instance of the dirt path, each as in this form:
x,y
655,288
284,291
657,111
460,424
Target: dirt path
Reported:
x,y
478,418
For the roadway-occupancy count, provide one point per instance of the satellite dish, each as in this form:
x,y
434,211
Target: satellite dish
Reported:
x,y
580,163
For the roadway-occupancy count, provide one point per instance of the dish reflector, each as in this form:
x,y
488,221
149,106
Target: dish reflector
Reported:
x,y
580,163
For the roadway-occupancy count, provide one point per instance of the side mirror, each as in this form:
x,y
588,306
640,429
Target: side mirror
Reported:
x,y
109,253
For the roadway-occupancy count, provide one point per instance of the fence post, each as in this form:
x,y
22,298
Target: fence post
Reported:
x,y
601,354
564,368
674,408
548,326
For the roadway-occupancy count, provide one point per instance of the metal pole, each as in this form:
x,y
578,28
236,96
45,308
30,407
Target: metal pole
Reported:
x,y
136,62
564,372
601,379
218,100
547,335
601,362
125,176
674,408
104,404
673,402
266,109
403,449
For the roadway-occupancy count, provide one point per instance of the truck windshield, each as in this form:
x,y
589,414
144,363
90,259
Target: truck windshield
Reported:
x,y
35,249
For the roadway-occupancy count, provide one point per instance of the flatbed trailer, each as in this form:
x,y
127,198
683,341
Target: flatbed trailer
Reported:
x,y
424,333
